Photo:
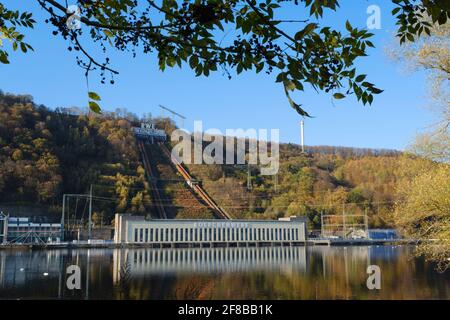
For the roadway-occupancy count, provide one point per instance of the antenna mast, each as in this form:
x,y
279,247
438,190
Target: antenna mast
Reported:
x,y
302,135
182,118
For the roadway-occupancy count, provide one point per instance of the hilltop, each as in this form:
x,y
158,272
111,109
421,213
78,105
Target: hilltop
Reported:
x,y
46,153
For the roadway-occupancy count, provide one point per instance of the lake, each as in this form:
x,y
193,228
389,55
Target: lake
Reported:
x,y
221,273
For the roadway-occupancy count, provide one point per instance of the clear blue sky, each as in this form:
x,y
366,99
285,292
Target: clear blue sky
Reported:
x,y
51,75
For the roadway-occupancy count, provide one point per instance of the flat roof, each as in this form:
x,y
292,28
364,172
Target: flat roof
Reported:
x,y
287,219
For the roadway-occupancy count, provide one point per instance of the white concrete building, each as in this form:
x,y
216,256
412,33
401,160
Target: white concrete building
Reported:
x,y
138,230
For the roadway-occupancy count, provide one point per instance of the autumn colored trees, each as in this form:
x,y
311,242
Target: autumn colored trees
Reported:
x,y
423,210
44,154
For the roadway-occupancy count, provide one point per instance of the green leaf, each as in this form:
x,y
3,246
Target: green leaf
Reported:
x,y
23,47
94,107
348,26
4,57
338,96
243,10
108,33
280,77
395,11
171,61
360,78
296,106
410,37
376,90
94,96
289,85
239,68
307,30
193,61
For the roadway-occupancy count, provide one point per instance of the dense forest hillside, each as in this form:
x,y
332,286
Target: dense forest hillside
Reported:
x,y
45,153
310,184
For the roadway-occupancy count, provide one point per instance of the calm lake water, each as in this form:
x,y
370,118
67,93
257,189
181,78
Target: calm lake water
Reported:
x,y
221,273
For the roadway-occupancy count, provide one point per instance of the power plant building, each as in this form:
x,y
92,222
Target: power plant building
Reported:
x,y
25,230
138,230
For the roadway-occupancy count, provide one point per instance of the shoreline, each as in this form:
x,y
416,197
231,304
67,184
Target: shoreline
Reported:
x,y
309,242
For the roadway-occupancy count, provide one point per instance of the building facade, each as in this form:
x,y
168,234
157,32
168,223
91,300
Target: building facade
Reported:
x,y
383,234
23,230
138,230
148,131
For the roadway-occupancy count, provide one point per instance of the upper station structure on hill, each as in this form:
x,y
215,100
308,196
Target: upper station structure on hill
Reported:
x,y
147,131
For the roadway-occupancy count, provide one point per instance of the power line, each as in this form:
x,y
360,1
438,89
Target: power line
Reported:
x,y
259,207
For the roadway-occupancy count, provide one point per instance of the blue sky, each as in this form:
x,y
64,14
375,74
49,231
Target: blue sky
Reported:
x,y
51,75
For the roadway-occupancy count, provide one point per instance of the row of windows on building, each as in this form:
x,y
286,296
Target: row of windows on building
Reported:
x,y
215,235
170,256
36,229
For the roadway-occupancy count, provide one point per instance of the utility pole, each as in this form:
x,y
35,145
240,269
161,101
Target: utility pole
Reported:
x,y
321,225
62,217
366,223
68,214
343,220
249,178
90,215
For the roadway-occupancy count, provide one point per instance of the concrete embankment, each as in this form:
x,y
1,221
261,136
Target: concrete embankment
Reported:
x,y
110,245
358,242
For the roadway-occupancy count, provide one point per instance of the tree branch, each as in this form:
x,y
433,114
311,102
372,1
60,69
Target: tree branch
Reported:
x,y
268,22
90,58
105,26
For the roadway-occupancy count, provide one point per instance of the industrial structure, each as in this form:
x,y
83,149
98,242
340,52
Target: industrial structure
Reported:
x,y
147,131
154,191
345,226
131,229
383,234
148,134
3,227
195,186
25,231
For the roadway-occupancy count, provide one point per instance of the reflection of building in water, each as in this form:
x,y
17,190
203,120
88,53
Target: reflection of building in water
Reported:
x,y
2,269
19,269
334,257
136,229
24,266
231,259
352,260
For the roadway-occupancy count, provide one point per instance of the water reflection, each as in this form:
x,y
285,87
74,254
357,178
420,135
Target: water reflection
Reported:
x,y
207,260
221,273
